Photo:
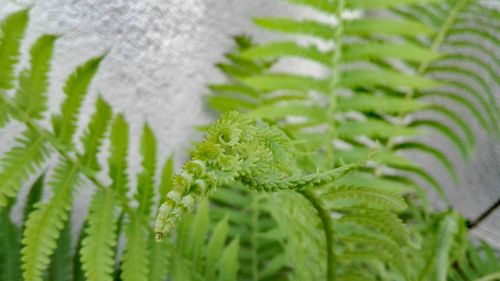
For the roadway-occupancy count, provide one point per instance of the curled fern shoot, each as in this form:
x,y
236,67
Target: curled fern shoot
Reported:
x,y
238,149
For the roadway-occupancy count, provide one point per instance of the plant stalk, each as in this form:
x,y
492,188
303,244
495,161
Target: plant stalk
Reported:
x,y
327,221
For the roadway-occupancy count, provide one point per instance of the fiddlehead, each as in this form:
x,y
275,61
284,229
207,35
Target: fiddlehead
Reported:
x,y
236,149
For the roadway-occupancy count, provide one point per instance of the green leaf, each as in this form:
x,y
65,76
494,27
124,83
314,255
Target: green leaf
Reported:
x,y
215,247
97,251
447,132
276,50
404,51
379,104
118,158
440,156
387,78
159,254
33,83
373,128
135,266
167,176
95,133
60,268
223,103
320,5
457,119
11,33
78,274
368,4
10,247
76,87
145,180
448,228
348,196
273,82
34,196
280,111
228,264
372,26
21,161
45,223
304,27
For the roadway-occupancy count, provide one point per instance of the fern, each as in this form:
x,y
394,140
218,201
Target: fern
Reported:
x,y
97,251
45,223
20,161
64,125
338,211
12,31
368,98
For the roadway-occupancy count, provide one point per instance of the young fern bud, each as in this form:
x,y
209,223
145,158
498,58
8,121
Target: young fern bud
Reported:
x,y
236,148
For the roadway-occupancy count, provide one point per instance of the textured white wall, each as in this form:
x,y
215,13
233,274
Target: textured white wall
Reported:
x,y
160,57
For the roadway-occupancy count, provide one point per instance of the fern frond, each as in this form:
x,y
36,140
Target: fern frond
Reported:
x,y
135,266
248,213
11,33
10,247
20,162
33,83
348,196
167,174
118,158
45,223
145,180
64,124
229,266
190,257
94,135
34,196
61,264
159,255
97,251
215,247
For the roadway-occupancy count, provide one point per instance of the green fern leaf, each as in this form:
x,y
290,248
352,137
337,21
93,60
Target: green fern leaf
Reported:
x,y
320,5
283,49
45,223
371,26
384,78
76,87
60,267
380,104
94,135
404,51
159,254
228,264
145,180
10,247
215,247
304,27
118,158
33,83
367,4
20,162
373,128
166,176
272,82
348,196
34,196
11,33
135,266
97,251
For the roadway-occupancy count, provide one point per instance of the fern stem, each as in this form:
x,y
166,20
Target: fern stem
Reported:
x,y
327,221
255,226
443,31
337,54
